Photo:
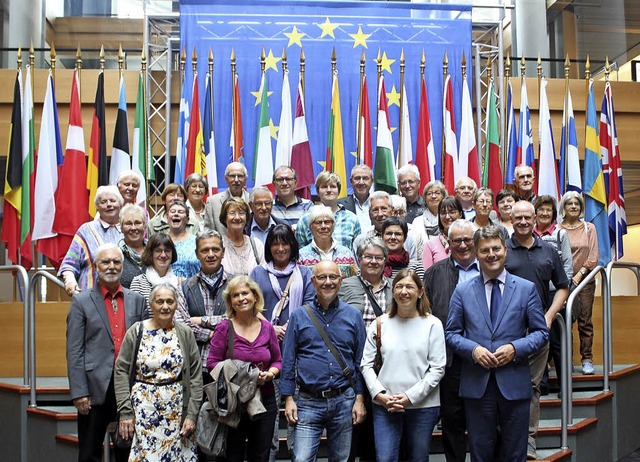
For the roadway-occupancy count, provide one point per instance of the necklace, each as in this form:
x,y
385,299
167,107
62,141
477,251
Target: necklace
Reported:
x,y
576,226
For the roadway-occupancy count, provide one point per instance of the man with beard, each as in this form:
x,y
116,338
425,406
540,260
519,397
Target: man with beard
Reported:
x,y
96,324
361,181
236,177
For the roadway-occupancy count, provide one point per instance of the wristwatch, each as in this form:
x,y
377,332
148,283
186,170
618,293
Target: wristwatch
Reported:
x,y
583,271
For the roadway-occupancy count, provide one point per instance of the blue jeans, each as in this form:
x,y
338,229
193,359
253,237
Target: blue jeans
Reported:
x,y
415,424
316,414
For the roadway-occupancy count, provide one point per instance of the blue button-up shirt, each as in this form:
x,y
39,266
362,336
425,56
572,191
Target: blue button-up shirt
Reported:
x,y
306,359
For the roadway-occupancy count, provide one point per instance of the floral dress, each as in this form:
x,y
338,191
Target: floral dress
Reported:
x,y
156,398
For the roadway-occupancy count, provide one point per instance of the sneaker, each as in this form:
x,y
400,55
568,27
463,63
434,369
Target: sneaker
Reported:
x,y
587,368
531,453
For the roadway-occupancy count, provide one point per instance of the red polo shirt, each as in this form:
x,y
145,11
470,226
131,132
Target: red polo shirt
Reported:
x,y
116,318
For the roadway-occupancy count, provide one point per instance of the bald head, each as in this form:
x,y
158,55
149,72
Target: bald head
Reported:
x,y
523,217
327,280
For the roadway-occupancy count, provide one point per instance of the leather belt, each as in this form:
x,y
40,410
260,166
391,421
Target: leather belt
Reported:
x,y
330,393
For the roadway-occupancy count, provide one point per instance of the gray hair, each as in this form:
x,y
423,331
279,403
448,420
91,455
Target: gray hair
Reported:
x,y
435,184
566,198
480,191
398,202
380,195
258,190
133,208
128,174
363,167
462,225
108,189
284,167
235,164
488,232
318,211
160,286
473,182
196,177
207,234
516,171
408,169
105,247
370,242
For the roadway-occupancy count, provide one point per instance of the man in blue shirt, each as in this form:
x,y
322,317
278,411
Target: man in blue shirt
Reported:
x,y
325,397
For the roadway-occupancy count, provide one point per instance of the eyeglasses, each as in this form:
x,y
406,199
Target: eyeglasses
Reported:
x,y
393,234
484,201
236,176
459,241
330,277
323,222
451,213
370,258
263,204
407,182
160,251
434,193
107,262
282,179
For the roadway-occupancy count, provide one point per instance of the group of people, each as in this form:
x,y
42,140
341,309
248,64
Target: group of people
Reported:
x,y
369,317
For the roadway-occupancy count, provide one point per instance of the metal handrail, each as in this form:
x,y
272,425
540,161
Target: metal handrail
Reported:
x,y
564,404
24,277
31,299
566,386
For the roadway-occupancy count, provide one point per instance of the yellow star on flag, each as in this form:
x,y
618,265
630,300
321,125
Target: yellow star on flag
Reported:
x,y
393,97
273,129
322,164
386,62
354,153
393,129
258,96
360,38
327,28
294,37
270,61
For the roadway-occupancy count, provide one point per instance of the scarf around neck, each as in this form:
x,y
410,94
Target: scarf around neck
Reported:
x,y
396,260
296,291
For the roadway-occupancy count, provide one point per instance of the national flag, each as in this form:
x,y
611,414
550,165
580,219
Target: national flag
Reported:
x,y
335,161
615,192
50,161
569,167
512,138
492,173
450,142
97,174
183,134
301,150
196,160
525,153
425,152
468,150
209,139
72,198
548,170
284,144
28,173
237,141
13,177
384,172
120,154
263,154
365,149
405,151
595,199
140,152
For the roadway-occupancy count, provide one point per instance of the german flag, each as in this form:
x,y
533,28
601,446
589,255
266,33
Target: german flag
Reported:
x,y
97,172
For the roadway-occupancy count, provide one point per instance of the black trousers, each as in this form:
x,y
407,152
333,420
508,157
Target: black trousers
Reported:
x,y
92,429
452,414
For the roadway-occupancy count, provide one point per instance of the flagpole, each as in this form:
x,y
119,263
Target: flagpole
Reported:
x,y
565,122
359,124
234,109
400,125
505,157
211,85
148,161
587,78
486,133
539,69
445,71
302,63
79,68
52,55
379,68
32,59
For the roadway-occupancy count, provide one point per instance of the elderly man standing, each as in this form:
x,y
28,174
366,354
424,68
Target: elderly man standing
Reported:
x,y
96,324
330,395
525,179
533,259
495,323
440,281
465,191
288,207
361,181
261,220
409,186
236,177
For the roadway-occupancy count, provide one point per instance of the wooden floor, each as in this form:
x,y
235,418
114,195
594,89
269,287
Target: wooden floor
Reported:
x,y
51,316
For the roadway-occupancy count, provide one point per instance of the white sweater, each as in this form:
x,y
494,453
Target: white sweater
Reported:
x,y
413,359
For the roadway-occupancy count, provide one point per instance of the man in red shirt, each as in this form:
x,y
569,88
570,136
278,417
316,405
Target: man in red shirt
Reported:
x,y
96,324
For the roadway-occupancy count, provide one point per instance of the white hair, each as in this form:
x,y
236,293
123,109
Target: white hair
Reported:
x,y
108,189
408,169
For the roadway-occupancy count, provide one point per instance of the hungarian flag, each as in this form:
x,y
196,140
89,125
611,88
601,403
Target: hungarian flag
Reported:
x,y
28,173
140,154
425,152
263,154
237,140
301,150
450,142
335,145
468,153
183,133
50,161
209,139
512,138
196,160
284,143
13,177
384,172
405,150
72,198
548,171
120,154
365,147
97,174
492,173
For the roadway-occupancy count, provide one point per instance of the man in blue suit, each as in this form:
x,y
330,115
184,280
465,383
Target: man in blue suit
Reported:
x,y
495,323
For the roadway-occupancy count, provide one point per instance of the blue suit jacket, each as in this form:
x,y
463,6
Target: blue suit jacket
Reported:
x,y
520,322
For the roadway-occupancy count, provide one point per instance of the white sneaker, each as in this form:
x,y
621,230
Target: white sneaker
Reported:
x,y
587,368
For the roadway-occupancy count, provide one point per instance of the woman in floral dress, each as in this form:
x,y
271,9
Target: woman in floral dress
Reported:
x,y
160,409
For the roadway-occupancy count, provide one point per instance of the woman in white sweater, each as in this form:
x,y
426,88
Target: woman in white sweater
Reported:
x,y
405,389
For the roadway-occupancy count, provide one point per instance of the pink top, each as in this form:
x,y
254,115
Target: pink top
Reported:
x,y
434,251
584,246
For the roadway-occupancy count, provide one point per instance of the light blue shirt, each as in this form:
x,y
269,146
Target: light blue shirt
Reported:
x,y
468,273
258,232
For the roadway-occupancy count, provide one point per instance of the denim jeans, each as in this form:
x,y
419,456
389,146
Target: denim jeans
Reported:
x,y
316,414
415,424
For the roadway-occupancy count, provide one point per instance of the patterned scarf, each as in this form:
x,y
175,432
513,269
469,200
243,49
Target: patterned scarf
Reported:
x,y
396,260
